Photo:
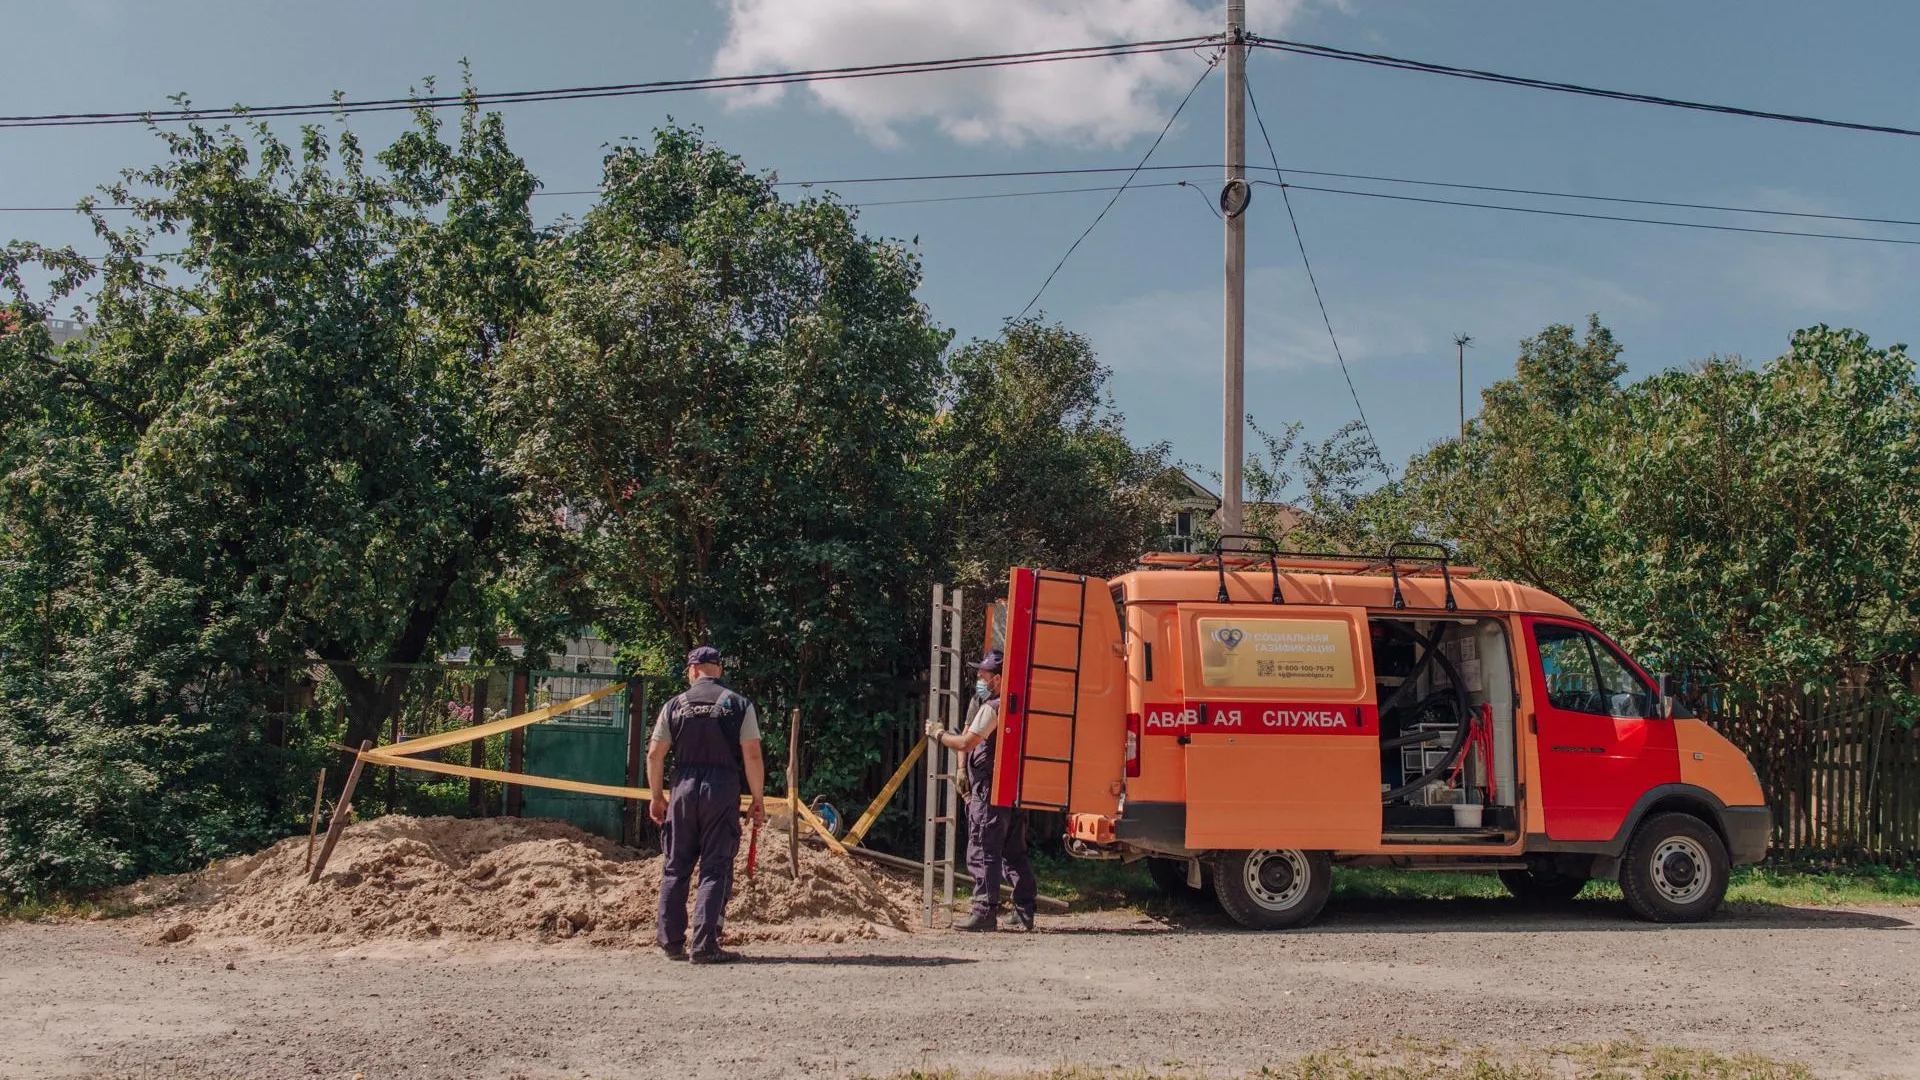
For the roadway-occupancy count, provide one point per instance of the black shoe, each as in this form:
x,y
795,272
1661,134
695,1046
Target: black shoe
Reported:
x,y
713,956
1023,920
679,953
975,920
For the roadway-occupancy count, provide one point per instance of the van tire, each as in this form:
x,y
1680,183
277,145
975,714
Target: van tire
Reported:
x,y
1674,870
1542,887
1272,889
1170,876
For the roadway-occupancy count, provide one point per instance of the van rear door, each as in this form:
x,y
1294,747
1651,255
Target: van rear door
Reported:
x,y
1282,728
1063,737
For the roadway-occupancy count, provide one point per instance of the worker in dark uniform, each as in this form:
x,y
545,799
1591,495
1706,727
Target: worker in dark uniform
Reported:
x,y
996,835
715,738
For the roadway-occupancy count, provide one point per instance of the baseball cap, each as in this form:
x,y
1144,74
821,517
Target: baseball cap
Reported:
x,y
990,663
705,654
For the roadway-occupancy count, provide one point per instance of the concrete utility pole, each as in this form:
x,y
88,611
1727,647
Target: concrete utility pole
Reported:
x,y
1233,205
1460,342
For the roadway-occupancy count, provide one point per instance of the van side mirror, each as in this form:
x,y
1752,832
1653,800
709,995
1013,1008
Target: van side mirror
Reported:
x,y
1672,708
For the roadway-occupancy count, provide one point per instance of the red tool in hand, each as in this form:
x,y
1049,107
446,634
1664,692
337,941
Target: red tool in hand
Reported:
x,y
753,849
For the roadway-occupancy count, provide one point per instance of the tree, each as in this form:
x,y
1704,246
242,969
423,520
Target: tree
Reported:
x,y
1751,526
1035,466
1319,496
1513,494
1761,525
273,461
728,398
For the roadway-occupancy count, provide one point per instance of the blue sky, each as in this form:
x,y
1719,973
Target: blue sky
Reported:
x,y
1399,279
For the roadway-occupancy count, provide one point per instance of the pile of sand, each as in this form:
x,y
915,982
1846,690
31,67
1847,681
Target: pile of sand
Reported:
x,y
506,878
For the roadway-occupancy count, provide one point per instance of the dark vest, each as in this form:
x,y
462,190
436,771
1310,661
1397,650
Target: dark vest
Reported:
x,y
704,723
980,758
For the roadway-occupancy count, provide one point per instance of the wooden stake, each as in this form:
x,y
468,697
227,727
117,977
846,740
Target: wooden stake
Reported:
x,y
340,810
793,795
517,744
313,823
477,751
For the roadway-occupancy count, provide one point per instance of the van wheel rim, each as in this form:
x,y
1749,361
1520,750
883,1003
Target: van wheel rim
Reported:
x,y
1681,870
1277,880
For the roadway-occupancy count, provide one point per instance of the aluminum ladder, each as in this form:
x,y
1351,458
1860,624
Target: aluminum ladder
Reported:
x,y
946,706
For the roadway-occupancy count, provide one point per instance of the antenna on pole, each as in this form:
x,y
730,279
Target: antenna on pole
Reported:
x,y
1461,342
1234,197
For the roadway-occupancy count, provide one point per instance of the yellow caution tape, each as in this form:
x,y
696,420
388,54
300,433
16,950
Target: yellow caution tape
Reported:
x,y
481,731
383,757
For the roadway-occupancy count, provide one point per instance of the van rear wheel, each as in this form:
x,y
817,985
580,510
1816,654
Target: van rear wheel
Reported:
x,y
1171,877
1675,869
1273,888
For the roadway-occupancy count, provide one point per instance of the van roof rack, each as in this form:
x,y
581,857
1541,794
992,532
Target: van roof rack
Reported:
x,y
1401,559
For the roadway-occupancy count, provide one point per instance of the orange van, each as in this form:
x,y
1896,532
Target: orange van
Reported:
x,y
1252,718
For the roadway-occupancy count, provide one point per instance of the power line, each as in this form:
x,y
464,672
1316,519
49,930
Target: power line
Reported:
x,y
1593,217
1328,52
992,175
1379,458
1371,177
1609,198
1427,201
1016,194
1095,223
579,93
1408,198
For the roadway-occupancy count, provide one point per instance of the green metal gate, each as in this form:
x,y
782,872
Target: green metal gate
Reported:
x,y
594,744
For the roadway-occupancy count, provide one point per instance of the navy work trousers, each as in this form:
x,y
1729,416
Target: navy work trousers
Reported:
x,y
997,847
703,827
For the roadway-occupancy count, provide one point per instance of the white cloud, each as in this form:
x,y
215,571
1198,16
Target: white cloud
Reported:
x,y
1084,101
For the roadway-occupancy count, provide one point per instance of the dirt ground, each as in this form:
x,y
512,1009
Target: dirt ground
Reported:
x,y
1839,990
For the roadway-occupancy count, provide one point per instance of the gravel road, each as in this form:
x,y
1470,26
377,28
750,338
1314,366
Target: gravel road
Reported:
x,y
1839,989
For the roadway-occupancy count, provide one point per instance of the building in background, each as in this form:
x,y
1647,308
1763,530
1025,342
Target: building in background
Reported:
x,y
1196,515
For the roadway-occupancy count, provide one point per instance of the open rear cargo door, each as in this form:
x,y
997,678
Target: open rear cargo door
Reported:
x,y
1283,728
1062,742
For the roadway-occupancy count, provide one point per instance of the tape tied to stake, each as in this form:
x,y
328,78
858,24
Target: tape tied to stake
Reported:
x,y
401,755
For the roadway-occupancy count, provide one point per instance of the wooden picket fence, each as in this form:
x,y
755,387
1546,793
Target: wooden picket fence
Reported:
x,y
1840,768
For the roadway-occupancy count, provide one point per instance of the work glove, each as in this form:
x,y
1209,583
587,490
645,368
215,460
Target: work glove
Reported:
x,y
934,730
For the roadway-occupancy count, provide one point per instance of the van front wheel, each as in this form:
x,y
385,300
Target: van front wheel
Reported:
x,y
1273,888
1675,870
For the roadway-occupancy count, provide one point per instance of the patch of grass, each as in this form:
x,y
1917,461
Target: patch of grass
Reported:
x,y
61,907
1370,884
1089,884
1866,885
1094,883
1409,1060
